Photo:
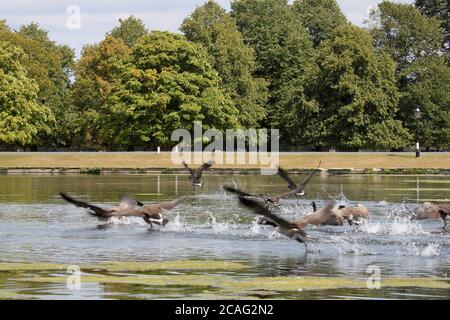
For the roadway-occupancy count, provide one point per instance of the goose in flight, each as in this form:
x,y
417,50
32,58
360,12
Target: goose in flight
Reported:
x,y
433,210
196,175
297,190
295,229
285,227
127,208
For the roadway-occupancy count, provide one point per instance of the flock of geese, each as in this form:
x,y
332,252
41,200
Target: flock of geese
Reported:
x,y
261,205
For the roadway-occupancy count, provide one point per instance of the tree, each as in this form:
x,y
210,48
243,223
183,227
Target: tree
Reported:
x,y
429,90
439,9
404,33
211,26
320,17
284,56
357,94
129,30
137,98
3,25
22,117
98,73
414,41
50,65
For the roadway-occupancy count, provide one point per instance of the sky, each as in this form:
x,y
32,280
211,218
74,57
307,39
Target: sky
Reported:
x,y
79,22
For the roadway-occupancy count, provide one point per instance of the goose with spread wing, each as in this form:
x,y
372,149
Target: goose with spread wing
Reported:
x,y
128,207
195,175
297,190
294,229
285,227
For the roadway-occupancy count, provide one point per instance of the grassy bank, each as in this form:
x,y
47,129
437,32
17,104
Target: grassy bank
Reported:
x,y
138,160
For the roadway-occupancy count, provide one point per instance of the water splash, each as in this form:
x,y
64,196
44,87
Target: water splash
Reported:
x,y
349,246
413,249
382,203
126,221
177,224
394,224
220,227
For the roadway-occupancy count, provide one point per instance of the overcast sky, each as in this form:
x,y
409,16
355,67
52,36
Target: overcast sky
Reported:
x,y
99,16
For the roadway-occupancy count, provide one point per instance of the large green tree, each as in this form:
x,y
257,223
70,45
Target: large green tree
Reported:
x,y
429,90
98,74
320,17
164,83
50,65
284,57
129,30
403,32
22,116
211,26
414,41
439,9
357,94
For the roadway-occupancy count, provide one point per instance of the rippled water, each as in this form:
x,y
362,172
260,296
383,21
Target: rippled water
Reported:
x,y
37,226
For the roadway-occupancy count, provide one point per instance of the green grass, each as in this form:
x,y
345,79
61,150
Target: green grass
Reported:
x,y
93,162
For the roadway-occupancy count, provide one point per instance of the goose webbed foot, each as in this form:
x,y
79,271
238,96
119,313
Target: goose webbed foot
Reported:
x,y
147,220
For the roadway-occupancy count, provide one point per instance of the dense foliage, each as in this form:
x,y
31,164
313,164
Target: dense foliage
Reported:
x,y
298,66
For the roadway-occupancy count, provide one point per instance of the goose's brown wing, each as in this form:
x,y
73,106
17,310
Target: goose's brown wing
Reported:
x,y
191,171
98,210
444,207
172,204
129,202
204,167
260,209
241,193
283,174
301,187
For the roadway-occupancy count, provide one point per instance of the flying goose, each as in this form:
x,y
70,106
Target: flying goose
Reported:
x,y
196,175
297,190
127,208
433,210
318,218
294,229
288,229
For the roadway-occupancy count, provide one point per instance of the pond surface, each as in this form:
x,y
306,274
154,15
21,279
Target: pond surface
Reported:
x,y
37,227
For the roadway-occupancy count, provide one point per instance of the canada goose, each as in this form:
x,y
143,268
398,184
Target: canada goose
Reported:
x,y
196,175
286,228
294,229
296,190
353,215
334,219
323,216
150,213
273,200
433,210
